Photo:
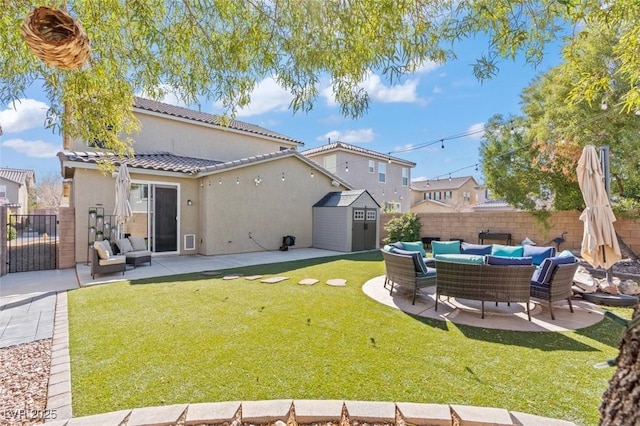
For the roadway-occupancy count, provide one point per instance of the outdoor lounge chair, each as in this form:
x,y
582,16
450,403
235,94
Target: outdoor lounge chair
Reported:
x,y
401,270
558,286
106,266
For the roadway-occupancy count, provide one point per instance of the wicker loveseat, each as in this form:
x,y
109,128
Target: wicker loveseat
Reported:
x,y
494,283
401,271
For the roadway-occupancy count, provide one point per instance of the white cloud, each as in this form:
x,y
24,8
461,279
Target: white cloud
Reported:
x,y
427,67
349,136
477,130
36,149
28,114
266,96
438,89
378,91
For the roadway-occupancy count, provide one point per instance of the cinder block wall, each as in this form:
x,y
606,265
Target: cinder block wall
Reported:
x,y
520,224
67,234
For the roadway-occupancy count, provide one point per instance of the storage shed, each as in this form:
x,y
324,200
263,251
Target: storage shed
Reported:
x,y
346,221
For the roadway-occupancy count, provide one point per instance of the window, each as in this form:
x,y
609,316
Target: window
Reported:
x,y
372,166
448,194
358,215
371,215
3,191
139,196
438,195
466,196
382,172
405,176
330,163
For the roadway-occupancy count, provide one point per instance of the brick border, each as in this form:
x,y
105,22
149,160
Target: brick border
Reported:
x,y
59,390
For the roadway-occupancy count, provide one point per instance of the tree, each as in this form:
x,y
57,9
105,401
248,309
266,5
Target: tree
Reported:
x,y
205,51
48,192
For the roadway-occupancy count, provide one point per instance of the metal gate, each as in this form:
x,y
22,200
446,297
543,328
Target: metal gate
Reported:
x,y
32,242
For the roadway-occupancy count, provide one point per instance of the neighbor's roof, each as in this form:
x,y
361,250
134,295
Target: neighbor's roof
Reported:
x,y
19,176
442,184
216,120
359,150
493,205
342,198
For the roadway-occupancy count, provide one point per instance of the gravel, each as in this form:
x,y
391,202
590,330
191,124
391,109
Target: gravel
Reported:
x,y
24,376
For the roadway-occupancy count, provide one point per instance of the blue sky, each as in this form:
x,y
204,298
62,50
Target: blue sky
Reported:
x,y
438,102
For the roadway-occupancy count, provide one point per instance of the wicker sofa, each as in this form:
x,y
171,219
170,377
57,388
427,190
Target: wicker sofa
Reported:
x,y
400,270
495,283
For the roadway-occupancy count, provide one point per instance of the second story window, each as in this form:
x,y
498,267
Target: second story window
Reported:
x,y
3,191
330,163
405,176
372,166
382,172
466,196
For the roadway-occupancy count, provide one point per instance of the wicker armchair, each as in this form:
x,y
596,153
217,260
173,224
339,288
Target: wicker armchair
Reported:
x,y
495,283
400,270
116,264
558,288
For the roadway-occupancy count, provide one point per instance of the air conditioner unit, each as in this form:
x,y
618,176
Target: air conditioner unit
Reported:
x,y
190,241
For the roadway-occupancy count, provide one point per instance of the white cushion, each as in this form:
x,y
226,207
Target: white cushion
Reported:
x,y
124,245
107,247
101,249
138,243
113,260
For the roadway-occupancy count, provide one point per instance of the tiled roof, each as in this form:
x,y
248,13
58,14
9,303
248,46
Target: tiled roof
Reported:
x,y
346,146
19,176
493,205
164,161
340,198
440,184
216,120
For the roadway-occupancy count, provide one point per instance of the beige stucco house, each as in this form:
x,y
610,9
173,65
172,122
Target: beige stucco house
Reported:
x,y
385,177
446,195
200,186
15,185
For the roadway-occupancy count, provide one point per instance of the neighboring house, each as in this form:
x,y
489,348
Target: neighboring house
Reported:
x,y
493,206
386,178
200,187
15,186
442,195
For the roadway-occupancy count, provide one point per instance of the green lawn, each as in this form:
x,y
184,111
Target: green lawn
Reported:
x,y
193,338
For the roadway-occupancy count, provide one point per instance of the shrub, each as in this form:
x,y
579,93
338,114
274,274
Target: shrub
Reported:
x,y
11,232
403,228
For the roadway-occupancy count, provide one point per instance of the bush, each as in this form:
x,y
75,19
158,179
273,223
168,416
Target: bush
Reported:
x,y
11,232
403,228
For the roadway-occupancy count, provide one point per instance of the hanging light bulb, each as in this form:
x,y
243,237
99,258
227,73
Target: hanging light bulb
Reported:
x,y
512,130
283,176
383,192
604,106
257,180
442,143
389,160
346,168
219,181
476,167
395,190
449,177
312,173
237,181
427,184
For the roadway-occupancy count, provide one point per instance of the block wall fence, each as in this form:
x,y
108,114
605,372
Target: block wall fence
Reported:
x,y
521,225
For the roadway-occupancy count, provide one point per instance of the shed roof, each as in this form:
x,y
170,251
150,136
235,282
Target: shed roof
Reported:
x,y
343,198
201,117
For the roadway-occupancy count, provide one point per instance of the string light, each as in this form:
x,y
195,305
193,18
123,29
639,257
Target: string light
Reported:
x,y
283,176
219,181
311,173
237,181
346,167
449,177
442,143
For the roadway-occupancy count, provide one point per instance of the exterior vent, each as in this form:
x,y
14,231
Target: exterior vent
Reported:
x,y
190,241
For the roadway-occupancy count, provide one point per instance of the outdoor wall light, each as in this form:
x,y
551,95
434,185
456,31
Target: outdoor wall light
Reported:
x,y
189,202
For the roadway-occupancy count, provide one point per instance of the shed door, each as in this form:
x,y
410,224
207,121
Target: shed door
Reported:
x,y
364,226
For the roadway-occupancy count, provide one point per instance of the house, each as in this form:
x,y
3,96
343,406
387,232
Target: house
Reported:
x,y
200,185
445,195
386,178
15,186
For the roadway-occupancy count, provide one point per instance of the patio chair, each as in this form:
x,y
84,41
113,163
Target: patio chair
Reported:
x,y
400,270
106,266
558,287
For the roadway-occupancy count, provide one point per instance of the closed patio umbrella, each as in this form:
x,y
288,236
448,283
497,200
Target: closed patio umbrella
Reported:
x,y
599,241
122,211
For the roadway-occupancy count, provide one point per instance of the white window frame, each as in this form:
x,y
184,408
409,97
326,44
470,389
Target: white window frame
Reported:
x,y
3,191
405,176
358,214
371,215
372,166
331,163
382,173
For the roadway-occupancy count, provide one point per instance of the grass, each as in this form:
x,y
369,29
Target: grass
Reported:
x,y
193,338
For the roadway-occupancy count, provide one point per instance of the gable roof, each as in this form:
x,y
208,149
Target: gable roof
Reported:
x,y
201,117
442,184
342,198
19,176
347,147
189,166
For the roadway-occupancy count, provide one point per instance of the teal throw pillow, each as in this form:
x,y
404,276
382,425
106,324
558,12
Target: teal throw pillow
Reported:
x,y
445,247
414,246
507,251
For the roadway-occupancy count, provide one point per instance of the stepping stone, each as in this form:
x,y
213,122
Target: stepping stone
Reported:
x,y
253,277
337,282
273,280
231,277
308,281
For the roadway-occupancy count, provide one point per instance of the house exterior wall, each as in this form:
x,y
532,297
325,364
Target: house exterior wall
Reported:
x,y
360,177
457,201
17,193
332,228
192,139
427,207
270,210
94,189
